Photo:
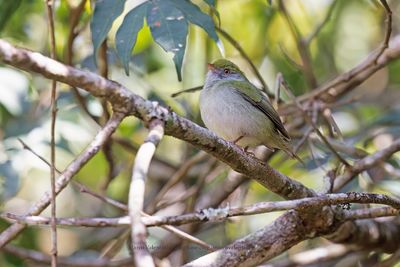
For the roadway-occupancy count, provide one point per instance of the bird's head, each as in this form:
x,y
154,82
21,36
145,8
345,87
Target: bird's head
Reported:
x,y
223,70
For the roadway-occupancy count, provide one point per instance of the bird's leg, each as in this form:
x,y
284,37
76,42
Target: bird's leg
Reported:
x,y
238,139
245,148
249,152
277,89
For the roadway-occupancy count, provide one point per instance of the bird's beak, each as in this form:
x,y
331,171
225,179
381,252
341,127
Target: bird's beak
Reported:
x,y
210,66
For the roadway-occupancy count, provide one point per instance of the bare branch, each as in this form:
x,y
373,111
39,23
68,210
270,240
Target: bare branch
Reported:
x,y
215,215
37,256
73,31
125,101
176,178
366,163
370,213
98,222
50,22
102,136
332,90
136,193
235,44
314,256
266,243
319,27
382,235
311,122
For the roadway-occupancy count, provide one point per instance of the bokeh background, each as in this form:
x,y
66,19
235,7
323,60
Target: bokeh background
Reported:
x,y
370,120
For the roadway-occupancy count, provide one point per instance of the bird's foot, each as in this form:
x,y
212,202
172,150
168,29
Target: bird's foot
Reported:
x,y
237,139
245,150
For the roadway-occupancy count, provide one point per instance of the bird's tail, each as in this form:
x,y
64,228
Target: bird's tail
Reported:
x,y
293,155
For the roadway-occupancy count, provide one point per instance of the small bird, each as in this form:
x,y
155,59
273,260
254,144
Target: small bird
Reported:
x,y
237,111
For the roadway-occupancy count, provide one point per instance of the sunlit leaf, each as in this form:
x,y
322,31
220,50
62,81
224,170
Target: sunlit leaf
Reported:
x,y
210,2
196,16
105,12
127,33
169,29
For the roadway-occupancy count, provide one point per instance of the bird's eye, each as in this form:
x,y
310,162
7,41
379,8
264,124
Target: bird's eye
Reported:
x,y
227,71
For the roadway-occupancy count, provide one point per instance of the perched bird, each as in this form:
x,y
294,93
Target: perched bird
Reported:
x,y
237,111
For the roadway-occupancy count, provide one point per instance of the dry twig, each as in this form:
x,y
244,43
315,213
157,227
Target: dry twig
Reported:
x,y
50,20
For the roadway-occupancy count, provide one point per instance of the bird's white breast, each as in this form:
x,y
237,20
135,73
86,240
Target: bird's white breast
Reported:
x,y
230,116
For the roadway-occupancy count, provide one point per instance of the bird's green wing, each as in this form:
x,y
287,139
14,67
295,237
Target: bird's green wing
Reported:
x,y
261,102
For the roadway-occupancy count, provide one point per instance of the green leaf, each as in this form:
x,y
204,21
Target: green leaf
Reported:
x,y
7,9
196,16
169,29
105,12
210,2
127,33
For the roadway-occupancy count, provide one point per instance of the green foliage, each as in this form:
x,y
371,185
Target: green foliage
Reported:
x,y
105,12
169,30
210,2
365,118
7,9
127,33
168,21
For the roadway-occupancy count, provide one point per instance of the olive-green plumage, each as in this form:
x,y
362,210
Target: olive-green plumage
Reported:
x,y
237,111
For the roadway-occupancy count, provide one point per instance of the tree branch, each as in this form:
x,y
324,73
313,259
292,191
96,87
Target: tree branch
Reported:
x,y
146,151
50,21
102,136
124,100
366,163
37,256
221,214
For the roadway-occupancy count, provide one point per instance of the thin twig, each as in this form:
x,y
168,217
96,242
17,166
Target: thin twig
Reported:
x,y
102,136
366,163
348,80
50,20
235,44
72,261
184,235
190,90
311,122
369,213
314,256
319,27
176,178
74,15
119,205
221,214
136,193
302,47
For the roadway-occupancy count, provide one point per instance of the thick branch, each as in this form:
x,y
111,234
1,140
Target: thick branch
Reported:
x,y
124,100
373,234
268,242
136,193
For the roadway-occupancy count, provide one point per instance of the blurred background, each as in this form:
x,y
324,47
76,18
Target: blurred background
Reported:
x,y
369,117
